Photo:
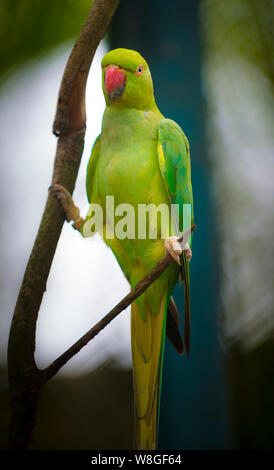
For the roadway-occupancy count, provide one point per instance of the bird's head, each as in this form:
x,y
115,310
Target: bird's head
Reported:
x,y
126,80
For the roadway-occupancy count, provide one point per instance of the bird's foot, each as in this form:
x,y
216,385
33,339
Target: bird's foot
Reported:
x,y
175,246
71,210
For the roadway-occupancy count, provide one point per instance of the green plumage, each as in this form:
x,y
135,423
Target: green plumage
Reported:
x,y
142,158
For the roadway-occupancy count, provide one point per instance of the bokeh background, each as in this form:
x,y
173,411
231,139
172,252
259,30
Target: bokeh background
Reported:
x,y
212,63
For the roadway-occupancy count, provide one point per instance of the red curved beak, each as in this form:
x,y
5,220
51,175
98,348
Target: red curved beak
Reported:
x,y
115,81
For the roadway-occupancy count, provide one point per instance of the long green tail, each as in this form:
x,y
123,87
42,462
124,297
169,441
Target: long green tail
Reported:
x,y
148,340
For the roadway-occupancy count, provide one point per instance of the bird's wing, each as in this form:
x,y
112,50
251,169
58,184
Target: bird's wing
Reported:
x,y
174,162
92,166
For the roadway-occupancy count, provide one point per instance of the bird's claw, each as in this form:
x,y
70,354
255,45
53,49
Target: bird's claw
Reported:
x,y
174,246
72,212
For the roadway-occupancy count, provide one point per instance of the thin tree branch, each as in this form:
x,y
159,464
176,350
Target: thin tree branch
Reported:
x,y
158,269
24,377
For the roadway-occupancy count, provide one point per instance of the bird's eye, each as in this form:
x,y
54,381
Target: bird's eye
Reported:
x,y
139,70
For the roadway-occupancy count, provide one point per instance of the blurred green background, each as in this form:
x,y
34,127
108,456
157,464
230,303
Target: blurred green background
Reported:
x,y
212,63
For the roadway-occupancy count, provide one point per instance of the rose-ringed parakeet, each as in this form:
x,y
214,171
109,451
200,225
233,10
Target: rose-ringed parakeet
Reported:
x,y
141,158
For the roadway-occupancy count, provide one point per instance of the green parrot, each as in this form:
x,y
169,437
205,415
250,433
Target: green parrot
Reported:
x,y
141,158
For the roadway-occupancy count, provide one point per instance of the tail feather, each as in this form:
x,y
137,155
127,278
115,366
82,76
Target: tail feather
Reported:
x,y
141,330
185,276
146,434
147,375
172,327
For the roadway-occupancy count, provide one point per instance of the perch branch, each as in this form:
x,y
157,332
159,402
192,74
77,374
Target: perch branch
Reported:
x,y
69,126
158,269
